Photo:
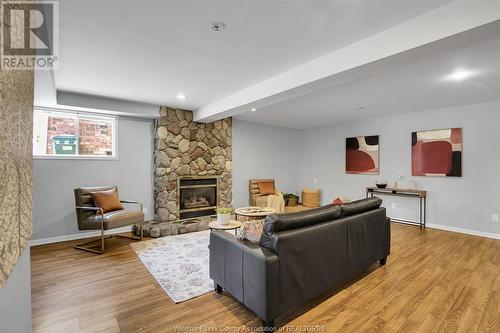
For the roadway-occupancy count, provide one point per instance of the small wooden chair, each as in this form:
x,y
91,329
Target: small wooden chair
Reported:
x,y
255,198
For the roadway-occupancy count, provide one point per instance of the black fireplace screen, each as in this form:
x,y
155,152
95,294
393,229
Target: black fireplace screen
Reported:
x,y
197,197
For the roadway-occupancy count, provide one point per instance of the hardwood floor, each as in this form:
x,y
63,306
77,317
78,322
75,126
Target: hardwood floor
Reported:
x,y
434,281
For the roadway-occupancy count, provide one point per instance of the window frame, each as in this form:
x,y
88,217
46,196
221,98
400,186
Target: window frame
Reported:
x,y
84,115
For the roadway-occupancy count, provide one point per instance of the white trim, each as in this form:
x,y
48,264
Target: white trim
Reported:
x,y
464,231
76,157
89,234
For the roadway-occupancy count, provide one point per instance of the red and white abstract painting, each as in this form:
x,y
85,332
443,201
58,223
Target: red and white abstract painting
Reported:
x,y
362,155
437,153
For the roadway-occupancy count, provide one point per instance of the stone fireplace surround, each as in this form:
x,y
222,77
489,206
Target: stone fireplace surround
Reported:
x,y
187,148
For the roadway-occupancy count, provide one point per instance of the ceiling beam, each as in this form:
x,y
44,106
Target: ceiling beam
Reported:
x,y
102,104
48,97
360,59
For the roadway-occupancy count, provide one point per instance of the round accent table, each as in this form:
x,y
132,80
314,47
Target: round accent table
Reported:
x,y
233,224
253,213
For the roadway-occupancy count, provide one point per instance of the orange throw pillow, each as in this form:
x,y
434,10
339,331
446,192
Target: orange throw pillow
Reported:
x,y
107,200
266,188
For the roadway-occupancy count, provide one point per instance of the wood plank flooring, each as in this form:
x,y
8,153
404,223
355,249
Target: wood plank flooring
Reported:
x,y
434,281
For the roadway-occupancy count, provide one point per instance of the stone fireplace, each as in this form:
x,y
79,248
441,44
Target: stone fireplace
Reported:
x,y
197,196
191,160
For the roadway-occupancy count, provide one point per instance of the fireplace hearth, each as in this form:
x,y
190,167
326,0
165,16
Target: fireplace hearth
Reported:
x,y
197,196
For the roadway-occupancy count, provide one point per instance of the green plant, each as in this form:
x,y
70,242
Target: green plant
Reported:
x,y
290,199
224,210
288,196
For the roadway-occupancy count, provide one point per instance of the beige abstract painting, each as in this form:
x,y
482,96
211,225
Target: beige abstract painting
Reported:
x,y
16,116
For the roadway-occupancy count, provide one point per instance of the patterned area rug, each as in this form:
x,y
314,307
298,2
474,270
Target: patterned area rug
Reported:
x,y
179,263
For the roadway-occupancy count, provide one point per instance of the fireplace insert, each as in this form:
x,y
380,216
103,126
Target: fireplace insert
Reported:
x,y
197,196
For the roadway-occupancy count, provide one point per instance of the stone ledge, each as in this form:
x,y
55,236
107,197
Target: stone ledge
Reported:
x,y
161,229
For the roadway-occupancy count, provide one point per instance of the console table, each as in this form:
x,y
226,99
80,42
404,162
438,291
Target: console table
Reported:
x,y
421,195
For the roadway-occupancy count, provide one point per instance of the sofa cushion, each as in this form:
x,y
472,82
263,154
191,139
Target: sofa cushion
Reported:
x,y
360,206
281,222
251,230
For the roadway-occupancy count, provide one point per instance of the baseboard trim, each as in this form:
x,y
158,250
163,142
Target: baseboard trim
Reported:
x,y
89,234
464,231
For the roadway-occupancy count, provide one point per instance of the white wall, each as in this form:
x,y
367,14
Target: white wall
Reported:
x,y
263,152
54,180
465,203
15,298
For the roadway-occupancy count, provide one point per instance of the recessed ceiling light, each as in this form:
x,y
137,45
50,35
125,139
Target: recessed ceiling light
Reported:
x,y
218,26
181,96
459,74
254,109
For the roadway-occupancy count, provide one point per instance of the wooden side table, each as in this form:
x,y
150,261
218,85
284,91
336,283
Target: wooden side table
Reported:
x,y
233,224
253,212
421,195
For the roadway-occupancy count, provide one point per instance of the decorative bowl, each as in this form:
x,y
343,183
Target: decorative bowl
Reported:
x,y
381,185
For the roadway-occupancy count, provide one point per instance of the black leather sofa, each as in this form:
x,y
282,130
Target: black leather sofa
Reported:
x,y
301,256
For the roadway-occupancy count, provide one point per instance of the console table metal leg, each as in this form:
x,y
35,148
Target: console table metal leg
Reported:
x,y
425,211
420,213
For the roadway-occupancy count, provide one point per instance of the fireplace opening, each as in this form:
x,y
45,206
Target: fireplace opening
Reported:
x,y
197,196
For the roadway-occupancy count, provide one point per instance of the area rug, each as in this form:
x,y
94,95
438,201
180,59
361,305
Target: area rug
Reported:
x,y
179,263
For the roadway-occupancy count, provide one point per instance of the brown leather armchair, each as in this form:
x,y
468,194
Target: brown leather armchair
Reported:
x,y
90,217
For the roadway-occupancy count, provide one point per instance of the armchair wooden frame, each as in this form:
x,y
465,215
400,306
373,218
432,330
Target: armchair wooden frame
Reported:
x,y
100,213
253,196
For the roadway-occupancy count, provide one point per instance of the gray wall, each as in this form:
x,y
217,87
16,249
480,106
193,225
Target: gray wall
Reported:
x,y
295,159
54,180
467,202
15,298
262,152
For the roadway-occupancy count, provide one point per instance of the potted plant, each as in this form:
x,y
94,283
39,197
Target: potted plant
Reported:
x,y
224,215
291,199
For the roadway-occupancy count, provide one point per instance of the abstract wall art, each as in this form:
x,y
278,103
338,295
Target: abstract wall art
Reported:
x,y
362,155
437,153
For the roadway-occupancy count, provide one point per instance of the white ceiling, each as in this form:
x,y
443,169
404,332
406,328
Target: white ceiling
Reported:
x,y
417,86
150,51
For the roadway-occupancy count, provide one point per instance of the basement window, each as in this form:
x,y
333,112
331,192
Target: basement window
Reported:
x,y
69,135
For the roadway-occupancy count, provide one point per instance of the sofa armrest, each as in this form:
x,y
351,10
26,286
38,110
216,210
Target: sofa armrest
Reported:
x,y
247,271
